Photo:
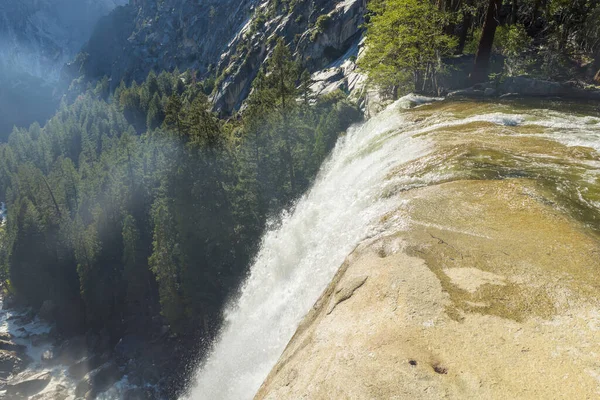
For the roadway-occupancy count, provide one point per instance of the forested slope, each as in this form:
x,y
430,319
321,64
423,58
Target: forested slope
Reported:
x,y
141,203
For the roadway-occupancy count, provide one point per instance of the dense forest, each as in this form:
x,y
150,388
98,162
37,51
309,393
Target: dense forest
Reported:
x,y
139,203
549,39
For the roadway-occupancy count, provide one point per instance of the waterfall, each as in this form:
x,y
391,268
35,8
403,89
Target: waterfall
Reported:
x,y
299,257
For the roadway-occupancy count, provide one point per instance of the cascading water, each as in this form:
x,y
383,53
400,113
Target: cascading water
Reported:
x,y
555,151
355,189
298,259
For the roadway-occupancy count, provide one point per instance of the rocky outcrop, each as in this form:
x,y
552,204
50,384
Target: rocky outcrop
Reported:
x,y
81,368
344,77
323,35
30,386
9,345
12,362
422,319
162,35
98,381
13,356
334,33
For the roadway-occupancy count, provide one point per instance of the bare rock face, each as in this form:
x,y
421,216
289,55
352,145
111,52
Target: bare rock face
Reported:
x,y
162,35
228,40
323,34
12,363
477,299
336,34
30,386
38,36
9,345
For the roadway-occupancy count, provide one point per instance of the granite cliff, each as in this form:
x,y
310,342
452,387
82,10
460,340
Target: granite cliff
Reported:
x,y
37,37
224,42
481,282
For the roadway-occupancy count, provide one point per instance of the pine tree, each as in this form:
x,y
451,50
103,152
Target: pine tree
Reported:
x,y
155,115
134,268
173,113
484,50
305,90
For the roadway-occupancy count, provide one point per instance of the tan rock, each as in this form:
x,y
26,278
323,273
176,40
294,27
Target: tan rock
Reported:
x,y
491,294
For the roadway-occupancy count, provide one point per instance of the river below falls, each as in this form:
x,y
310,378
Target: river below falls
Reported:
x,y
38,340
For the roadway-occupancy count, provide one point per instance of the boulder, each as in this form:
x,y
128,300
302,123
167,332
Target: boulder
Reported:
x,y
47,357
59,392
71,351
11,346
527,86
21,319
12,363
81,368
39,340
30,386
98,381
524,86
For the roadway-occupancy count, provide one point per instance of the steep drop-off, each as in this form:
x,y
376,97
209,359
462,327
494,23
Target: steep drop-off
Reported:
x,y
483,281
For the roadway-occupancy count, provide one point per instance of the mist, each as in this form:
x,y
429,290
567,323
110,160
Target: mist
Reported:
x,y
37,38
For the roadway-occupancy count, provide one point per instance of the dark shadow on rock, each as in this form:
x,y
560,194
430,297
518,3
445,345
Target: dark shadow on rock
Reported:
x,y
29,386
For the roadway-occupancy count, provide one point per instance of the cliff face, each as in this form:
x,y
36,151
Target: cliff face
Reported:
x,y
322,34
39,36
36,38
162,35
227,40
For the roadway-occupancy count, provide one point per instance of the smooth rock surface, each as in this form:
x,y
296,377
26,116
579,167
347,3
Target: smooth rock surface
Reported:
x,y
483,283
408,333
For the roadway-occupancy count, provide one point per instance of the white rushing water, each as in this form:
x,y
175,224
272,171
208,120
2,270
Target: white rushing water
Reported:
x,y
31,333
298,259
36,338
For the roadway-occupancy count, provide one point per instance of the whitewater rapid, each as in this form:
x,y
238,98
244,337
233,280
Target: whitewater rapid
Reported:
x,y
298,259
36,338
